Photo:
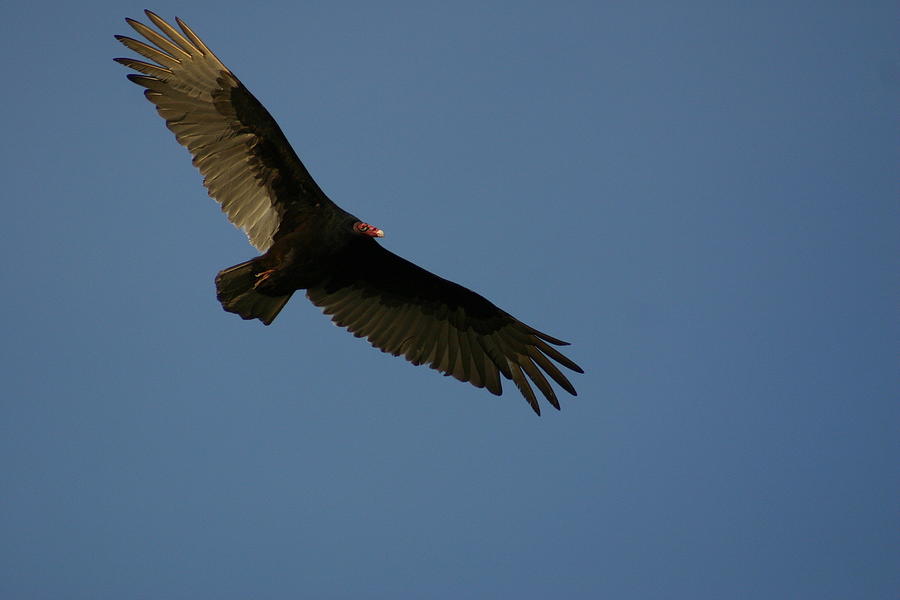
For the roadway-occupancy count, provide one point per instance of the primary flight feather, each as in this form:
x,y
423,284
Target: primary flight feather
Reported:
x,y
310,243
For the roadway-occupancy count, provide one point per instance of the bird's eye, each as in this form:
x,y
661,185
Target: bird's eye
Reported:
x,y
362,227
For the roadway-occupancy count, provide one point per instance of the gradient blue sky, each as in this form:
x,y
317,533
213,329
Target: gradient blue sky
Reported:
x,y
700,196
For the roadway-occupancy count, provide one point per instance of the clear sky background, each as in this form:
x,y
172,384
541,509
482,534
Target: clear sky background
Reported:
x,y
700,196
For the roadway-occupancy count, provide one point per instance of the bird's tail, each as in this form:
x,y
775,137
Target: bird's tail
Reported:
x,y
235,290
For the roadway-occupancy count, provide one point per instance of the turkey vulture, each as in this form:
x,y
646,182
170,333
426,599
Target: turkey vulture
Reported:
x,y
309,243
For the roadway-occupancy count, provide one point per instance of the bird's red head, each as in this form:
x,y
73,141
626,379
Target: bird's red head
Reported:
x,y
366,229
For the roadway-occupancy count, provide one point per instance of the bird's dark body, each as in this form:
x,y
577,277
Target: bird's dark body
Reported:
x,y
306,254
309,243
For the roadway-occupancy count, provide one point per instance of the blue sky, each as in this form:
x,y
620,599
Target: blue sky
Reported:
x,y
700,196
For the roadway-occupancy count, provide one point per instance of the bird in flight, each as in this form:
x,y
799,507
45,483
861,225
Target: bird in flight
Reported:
x,y
309,243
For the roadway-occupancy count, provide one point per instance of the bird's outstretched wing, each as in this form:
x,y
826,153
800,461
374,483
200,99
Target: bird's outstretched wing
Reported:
x,y
405,310
247,164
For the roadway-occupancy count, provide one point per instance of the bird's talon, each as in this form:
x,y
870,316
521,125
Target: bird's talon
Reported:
x,y
262,276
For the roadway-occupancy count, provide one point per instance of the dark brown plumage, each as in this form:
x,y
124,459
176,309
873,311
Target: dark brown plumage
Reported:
x,y
310,243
